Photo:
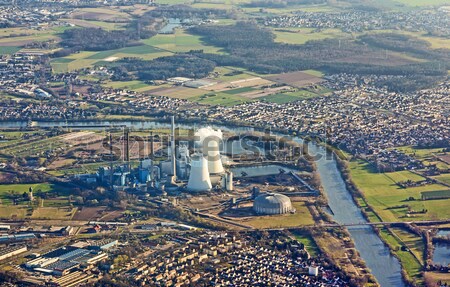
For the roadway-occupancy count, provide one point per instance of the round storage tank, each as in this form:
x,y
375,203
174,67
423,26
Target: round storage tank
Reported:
x,y
272,203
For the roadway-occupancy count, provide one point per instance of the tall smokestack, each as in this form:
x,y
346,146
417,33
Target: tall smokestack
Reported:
x,y
173,160
127,148
111,158
151,146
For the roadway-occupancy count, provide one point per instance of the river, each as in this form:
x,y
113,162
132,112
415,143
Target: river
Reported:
x,y
385,267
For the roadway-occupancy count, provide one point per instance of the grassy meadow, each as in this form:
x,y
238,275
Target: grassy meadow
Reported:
x,y
388,199
301,217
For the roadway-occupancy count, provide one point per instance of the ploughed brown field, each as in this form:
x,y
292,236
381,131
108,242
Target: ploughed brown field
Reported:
x,y
88,213
295,79
99,16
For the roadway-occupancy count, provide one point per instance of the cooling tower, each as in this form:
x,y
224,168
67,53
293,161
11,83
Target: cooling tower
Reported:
x,y
212,154
199,177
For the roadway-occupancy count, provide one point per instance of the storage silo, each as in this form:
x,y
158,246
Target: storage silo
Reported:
x,y
199,179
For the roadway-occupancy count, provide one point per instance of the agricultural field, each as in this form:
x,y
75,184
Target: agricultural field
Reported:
x,y
219,98
302,35
432,156
390,201
35,148
301,217
178,92
423,3
87,59
179,42
110,14
58,213
9,50
295,79
443,178
283,98
125,85
228,74
435,42
256,11
438,194
13,212
109,26
23,40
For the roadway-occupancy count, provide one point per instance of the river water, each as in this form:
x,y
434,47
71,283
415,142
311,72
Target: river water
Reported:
x,y
385,267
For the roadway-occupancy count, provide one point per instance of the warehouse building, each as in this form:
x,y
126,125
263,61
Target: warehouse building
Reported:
x,y
12,251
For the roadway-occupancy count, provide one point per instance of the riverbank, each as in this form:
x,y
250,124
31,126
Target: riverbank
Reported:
x,y
411,265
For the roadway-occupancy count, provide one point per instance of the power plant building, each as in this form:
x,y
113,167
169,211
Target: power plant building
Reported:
x,y
199,172
272,203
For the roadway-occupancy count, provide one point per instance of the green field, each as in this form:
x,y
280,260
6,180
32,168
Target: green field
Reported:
x,y
301,217
135,50
239,90
423,2
407,258
7,189
35,147
303,35
22,40
435,42
87,59
443,177
314,73
436,194
96,24
309,243
219,98
9,50
386,197
127,85
62,60
180,41
283,98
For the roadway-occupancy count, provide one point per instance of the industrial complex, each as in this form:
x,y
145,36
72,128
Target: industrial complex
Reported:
x,y
200,171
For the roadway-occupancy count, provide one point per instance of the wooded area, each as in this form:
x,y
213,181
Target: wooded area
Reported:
x,y
181,65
